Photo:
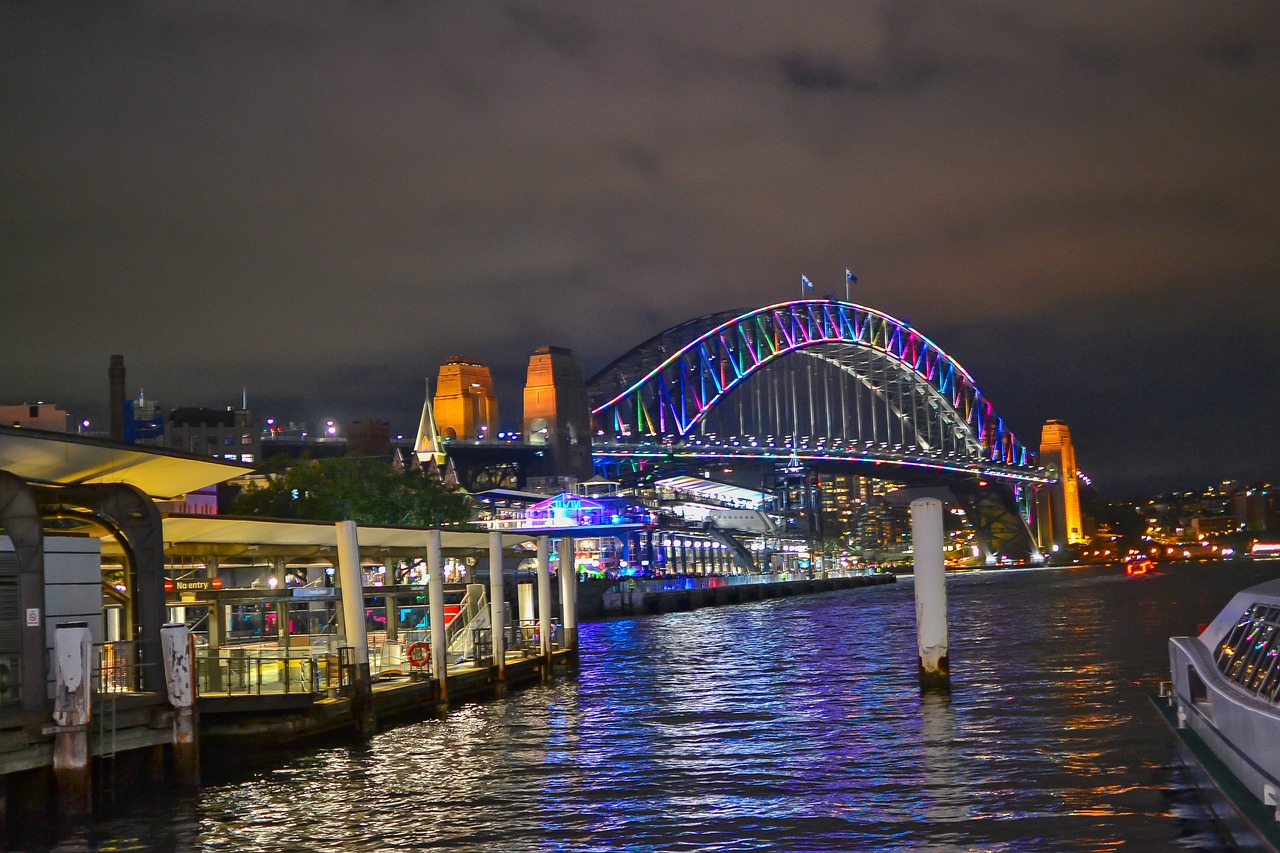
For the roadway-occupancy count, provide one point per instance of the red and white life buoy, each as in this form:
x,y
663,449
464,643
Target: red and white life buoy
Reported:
x,y
418,654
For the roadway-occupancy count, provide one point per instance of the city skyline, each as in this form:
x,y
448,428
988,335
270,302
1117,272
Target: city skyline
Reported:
x,y
321,205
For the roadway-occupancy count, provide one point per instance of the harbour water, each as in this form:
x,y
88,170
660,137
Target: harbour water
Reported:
x,y
793,724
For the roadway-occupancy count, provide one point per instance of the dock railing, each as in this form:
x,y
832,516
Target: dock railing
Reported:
x,y
524,636
255,671
117,667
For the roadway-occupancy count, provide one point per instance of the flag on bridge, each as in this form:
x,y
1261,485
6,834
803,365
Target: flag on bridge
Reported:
x,y
850,277
804,280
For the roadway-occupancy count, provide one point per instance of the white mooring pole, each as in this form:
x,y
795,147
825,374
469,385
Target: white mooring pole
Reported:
x,y
178,650
568,571
497,605
435,616
351,587
544,602
73,694
931,593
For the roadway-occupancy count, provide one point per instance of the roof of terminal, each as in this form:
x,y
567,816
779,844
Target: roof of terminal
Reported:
x,y
714,490
220,529
67,459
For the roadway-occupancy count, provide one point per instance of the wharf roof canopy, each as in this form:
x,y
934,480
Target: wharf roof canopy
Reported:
x,y
222,534
66,459
726,492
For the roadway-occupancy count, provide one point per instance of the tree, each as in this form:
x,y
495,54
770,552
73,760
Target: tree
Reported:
x,y
367,491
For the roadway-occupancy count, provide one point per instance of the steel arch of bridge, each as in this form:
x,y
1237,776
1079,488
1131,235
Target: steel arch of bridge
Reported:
x,y
667,388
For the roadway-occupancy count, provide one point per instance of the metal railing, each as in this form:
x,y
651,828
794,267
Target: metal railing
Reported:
x,y
255,671
116,668
525,636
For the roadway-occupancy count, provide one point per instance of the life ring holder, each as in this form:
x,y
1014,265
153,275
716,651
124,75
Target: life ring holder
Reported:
x,y
418,654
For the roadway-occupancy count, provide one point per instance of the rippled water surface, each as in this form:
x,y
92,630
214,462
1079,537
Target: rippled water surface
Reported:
x,y
794,724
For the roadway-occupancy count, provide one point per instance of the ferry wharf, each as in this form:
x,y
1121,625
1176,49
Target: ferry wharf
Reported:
x,y
268,713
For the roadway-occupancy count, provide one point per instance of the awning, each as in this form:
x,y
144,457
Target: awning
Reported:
x,y
67,459
713,490
191,533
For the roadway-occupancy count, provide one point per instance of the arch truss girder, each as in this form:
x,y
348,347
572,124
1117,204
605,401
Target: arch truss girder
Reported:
x,y
917,381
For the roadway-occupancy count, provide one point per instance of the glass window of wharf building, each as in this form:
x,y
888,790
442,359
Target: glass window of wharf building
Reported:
x,y
1249,655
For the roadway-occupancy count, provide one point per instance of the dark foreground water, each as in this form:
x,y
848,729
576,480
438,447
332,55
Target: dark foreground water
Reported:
x,y
790,725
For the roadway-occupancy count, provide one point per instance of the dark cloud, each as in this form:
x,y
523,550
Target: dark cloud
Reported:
x,y
321,202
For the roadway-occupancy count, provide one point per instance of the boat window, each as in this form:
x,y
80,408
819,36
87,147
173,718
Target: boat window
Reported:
x,y
1250,653
1257,658
1270,688
1226,652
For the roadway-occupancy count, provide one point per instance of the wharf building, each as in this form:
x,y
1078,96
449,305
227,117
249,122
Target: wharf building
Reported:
x,y
87,549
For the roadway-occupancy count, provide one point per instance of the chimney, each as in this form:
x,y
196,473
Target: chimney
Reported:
x,y
116,406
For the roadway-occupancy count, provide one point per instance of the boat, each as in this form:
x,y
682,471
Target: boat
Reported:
x,y
1223,704
1140,566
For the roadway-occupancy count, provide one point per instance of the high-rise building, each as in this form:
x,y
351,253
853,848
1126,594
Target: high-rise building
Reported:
x,y
466,408
1058,519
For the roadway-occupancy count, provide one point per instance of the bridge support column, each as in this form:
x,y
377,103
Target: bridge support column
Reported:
x,y
930,593
497,607
435,617
351,587
544,602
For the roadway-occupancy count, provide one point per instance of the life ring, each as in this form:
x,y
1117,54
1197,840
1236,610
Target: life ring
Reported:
x,y
418,654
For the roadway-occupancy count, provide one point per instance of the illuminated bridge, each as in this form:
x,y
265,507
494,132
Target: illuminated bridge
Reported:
x,y
817,384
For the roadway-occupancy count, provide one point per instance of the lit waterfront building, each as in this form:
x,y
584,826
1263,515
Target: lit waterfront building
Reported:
x,y
1058,517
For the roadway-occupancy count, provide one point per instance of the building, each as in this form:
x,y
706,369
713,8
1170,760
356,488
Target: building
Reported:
x,y
45,416
1254,507
229,434
557,412
369,437
1058,518
465,406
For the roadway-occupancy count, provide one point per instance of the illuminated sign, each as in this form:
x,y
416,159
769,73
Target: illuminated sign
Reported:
x,y
198,585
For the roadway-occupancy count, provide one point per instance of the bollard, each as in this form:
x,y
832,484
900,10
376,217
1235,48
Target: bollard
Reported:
x,y
73,671
544,603
497,620
435,617
178,651
568,594
351,588
930,593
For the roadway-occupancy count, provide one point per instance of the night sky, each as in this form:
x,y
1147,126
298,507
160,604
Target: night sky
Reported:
x,y
320,202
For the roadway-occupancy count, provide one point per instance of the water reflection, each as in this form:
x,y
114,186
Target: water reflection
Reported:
x,y
794,724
